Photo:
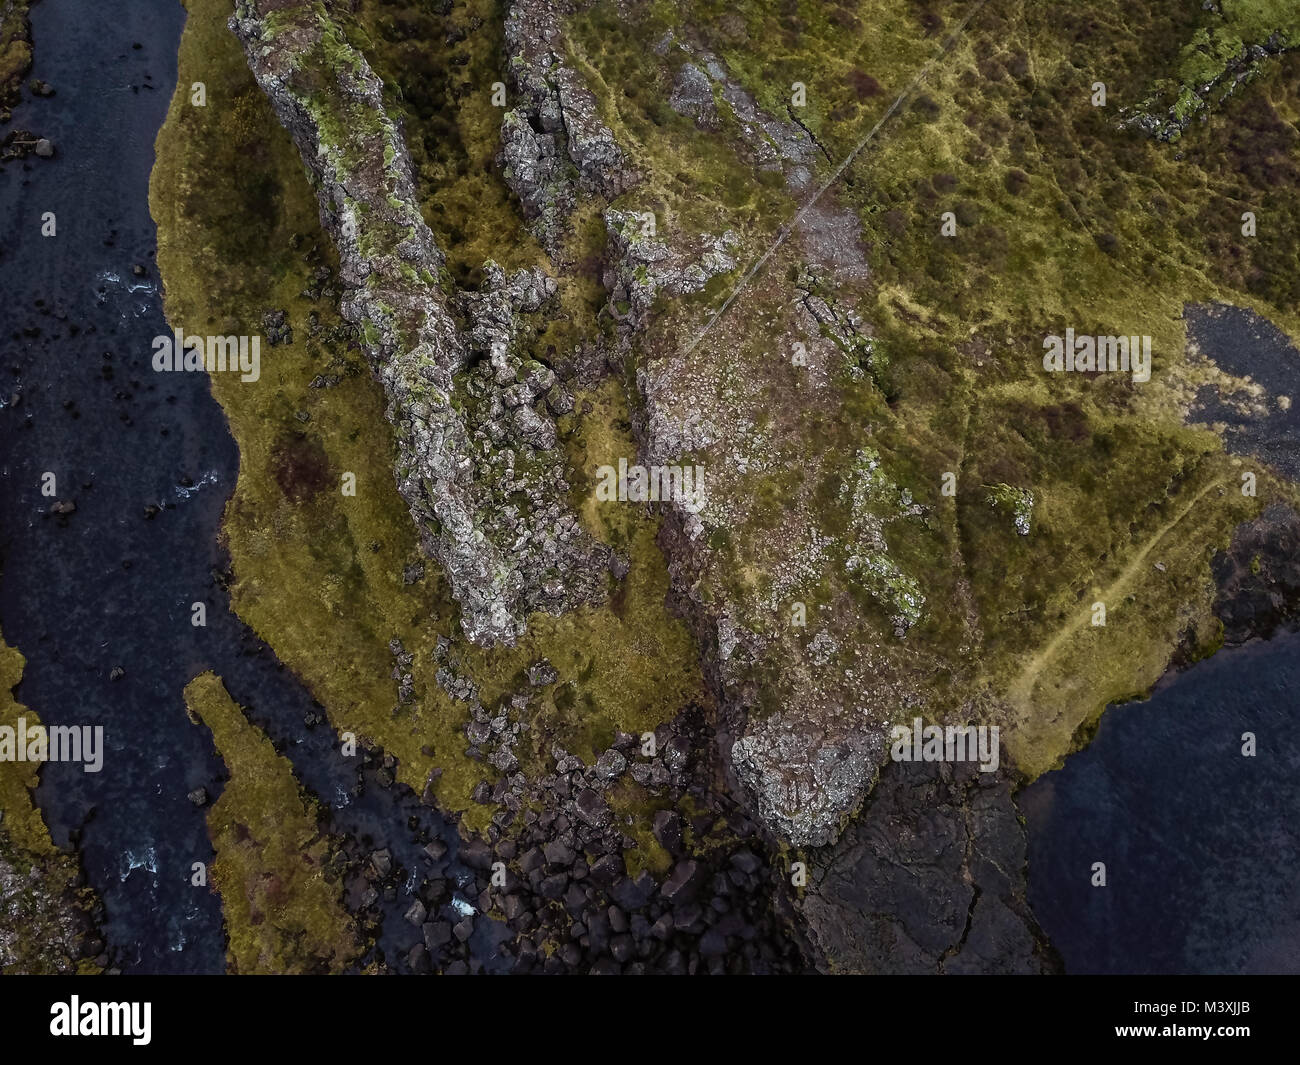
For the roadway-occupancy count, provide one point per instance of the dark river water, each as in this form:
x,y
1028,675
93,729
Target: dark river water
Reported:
x,y
106,588
1201,843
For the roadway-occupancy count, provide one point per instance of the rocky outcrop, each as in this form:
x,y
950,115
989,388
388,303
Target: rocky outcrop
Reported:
x,y
46,921
1168,123
799,722
801,709
639,267
554,144
770,143
578,840
477,459
829,234
570,876
1258,576
805,766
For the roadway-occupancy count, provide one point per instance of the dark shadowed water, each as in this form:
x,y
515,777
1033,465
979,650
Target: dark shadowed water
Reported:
x,y
1201,844
1245,344
107,588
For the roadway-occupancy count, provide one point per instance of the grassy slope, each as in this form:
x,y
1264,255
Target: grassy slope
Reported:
x,y
283,914
319,575
1062,222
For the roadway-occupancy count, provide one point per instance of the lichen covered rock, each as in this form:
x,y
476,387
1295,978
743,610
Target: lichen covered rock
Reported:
x,y
486,489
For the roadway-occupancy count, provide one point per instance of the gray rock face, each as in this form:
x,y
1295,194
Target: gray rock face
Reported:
x,y
640,266
553,142
692,96
929,878
806,768
35,893
829,234
804,775
769,141
502,532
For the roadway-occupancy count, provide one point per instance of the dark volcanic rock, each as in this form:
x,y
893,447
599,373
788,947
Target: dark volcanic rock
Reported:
x,y
667,828
554,143
477,855
591,808
683,883
1259,576
930,877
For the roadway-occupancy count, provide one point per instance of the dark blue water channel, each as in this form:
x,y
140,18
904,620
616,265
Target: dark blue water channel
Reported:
x,y
107,589
1201,842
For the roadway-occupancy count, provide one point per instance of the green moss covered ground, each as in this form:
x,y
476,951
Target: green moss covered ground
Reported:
x,y
15,51
1062,220
281,901
317,574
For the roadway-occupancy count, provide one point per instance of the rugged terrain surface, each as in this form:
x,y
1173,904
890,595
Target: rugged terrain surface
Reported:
x,y
47,913
813,251
458,442
832,583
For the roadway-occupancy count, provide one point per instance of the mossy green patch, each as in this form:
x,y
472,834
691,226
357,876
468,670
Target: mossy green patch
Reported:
x,y
1219,52
439,64
692,180
282,904
15,50
22,820
1061,220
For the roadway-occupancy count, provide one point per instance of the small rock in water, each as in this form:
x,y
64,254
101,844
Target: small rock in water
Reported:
x,y
44,148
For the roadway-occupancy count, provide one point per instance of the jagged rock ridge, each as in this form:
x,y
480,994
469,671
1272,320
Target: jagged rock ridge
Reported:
x,y
502,532
553,142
